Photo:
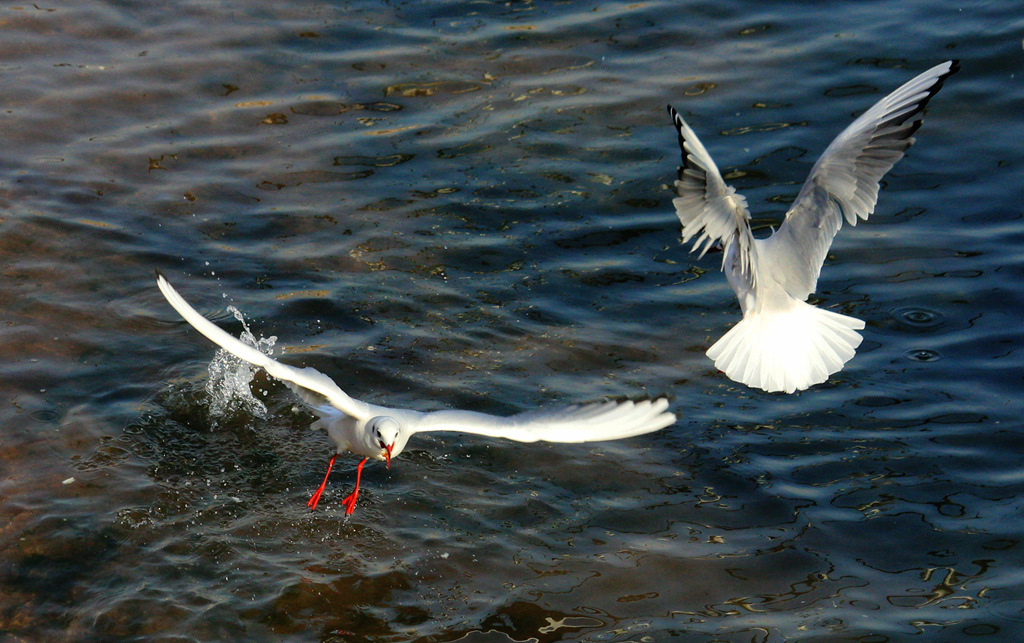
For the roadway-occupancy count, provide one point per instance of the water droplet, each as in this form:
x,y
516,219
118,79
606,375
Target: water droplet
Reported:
x,y
924,355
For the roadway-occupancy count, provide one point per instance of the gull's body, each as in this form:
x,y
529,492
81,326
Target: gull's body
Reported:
x,y
783,343
381,433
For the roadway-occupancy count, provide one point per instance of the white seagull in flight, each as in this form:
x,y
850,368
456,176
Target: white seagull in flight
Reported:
x,y
381,433
783,343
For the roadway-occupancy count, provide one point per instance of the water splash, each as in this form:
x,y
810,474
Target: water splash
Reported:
x,y
229,380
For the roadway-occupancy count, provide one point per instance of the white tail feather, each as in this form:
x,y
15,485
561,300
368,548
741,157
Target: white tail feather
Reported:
x,y
787,350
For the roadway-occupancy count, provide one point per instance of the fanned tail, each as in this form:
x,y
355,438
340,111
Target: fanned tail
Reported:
x,y
787,350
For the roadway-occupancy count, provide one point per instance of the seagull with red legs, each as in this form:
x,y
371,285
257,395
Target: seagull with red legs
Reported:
x,y
381,433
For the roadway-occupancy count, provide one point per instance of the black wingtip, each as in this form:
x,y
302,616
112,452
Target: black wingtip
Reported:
x,y
677,123
954,66
673,114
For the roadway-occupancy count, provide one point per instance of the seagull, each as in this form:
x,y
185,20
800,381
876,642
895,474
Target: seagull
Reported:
x,y
381,433
783,343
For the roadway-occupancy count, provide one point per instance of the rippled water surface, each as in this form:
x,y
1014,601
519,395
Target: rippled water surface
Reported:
x,y
466,204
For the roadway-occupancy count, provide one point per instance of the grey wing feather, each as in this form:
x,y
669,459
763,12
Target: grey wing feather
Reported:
x,y
844,182
709,209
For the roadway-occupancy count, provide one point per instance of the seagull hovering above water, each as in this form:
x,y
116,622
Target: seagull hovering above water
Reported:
x,y
783,343
381,433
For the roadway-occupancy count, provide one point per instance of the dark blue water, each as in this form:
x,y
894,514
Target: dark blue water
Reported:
x,y
467,205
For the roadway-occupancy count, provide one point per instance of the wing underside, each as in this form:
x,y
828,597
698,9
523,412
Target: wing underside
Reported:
x,y
710,210
844,182
609,420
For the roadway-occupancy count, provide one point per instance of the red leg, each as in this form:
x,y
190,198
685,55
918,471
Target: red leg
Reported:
x,y
350,499
319,492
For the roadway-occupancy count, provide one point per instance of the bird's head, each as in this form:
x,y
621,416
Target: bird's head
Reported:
x,y
386,432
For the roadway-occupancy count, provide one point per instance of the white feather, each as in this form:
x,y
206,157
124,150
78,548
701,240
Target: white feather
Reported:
x,y
782,343
346,418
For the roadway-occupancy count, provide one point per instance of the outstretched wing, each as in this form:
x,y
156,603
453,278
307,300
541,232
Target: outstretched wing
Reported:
x,y
304,378
709,209
611,420
844,182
